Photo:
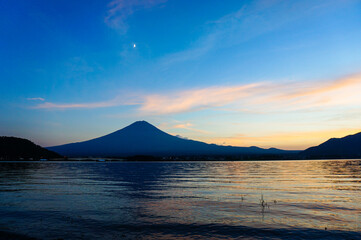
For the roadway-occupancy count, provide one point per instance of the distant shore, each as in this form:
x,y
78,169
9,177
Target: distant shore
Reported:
x,y
14,236
100,160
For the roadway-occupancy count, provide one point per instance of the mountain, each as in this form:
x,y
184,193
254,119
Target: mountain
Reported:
x,y
12,148
346,147
142,138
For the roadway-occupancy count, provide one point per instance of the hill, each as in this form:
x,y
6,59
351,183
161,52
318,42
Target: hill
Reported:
x,y
142,138
346,147
12,148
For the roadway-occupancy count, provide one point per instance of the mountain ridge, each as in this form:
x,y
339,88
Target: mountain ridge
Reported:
x,y
13,148
142,138
345,147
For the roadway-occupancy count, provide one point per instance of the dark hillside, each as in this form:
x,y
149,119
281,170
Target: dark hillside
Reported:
x,y
12,148
346,147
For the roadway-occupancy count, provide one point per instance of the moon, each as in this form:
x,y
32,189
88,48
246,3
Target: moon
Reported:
x,y
134,46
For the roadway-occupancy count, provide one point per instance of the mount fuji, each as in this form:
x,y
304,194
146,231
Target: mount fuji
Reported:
x,y
142,138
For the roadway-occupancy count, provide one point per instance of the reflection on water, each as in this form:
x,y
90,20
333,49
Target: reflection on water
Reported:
x,y
194,200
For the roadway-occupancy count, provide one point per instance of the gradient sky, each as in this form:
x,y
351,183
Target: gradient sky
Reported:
x,y
269,73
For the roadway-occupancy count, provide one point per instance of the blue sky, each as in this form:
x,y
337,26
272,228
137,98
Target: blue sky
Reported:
x,y
269,73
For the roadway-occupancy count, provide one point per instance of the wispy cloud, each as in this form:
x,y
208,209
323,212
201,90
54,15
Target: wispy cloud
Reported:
x,y
196,99
36,99
340,91
120,10
117,101
183,125
250,21
258,97
49,105
261,97
187,126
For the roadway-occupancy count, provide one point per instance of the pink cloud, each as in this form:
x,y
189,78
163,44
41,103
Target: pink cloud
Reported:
x,y
264,96
255,97
196,99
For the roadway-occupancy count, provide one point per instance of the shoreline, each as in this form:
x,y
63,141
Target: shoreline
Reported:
x,y
14,236
178,160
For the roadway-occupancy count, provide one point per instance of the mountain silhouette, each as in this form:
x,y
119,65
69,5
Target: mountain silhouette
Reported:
x,y
142,138
13,148
346,147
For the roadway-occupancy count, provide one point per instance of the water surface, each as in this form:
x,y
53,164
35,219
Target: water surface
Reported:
x,y
192,200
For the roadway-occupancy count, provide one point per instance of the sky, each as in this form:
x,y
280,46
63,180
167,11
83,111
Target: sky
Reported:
x,y
265,73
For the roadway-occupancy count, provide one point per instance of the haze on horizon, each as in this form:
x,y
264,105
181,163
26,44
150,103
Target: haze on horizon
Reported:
x,y
284,74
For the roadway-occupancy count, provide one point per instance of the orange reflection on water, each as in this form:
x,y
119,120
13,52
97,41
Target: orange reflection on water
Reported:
x,y
307,194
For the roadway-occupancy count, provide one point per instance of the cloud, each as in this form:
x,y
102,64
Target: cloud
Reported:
x,y
251,20
203,46
120,10
324,87
341,91
225,31
183,125
36,99
175,127
187,126
254,97
259,97
179,136
196,99
117,101
49,105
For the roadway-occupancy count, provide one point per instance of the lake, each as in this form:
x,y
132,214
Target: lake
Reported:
x,y
188,200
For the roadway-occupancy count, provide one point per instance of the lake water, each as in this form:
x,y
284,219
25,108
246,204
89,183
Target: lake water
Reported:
x,y
188,200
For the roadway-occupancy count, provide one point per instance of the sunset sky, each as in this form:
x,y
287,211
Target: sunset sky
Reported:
x,y
266,73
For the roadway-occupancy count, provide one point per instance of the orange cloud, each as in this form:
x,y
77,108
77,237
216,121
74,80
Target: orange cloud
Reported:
x,y
259,96
311,94
183,125
187,126
329,86
189,100
255,97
